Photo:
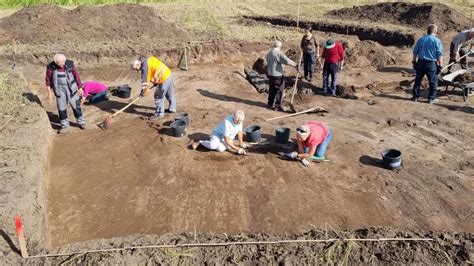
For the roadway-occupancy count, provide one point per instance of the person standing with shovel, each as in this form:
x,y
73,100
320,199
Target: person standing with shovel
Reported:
x,y
159,75
275,61
460,45
427,60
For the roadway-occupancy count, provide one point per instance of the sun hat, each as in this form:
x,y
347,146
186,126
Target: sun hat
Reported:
x,y
329,44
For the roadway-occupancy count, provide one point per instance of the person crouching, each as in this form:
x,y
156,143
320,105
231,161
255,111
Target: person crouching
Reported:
x,y
313,139
222,137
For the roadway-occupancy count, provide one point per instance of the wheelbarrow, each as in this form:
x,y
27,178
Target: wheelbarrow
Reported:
x,y
449,81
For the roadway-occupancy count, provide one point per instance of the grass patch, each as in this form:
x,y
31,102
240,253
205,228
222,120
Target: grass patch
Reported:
x,y
23,3
338,252
11,94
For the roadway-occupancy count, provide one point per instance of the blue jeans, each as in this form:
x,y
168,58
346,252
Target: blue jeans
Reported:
x,y
99,97
428,68
308,61
322,147
330,70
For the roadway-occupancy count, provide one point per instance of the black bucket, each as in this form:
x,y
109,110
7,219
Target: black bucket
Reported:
x,y
252,133
179,128
392,159
182,116
282,135
124,91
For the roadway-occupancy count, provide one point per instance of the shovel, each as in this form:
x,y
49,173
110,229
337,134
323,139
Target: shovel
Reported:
x,y
108,121
292,107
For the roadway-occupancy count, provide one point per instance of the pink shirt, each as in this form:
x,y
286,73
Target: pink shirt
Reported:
x,y
93,87
318,132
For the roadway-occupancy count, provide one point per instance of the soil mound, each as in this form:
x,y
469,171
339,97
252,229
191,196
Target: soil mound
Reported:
x,y
368,53
413,15
464,78
121,22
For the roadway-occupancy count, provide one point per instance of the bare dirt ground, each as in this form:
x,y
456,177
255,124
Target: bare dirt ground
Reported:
x,y
136,184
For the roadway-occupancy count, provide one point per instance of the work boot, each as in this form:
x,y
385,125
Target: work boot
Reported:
x,y
431,101
169,111
414,99
155,117
63,130
279,109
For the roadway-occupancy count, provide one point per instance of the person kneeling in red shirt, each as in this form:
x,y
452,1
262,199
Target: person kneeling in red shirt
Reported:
x,y
313,139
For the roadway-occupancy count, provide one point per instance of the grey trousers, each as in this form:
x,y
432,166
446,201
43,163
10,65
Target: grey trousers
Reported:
x,y
165,90
62,101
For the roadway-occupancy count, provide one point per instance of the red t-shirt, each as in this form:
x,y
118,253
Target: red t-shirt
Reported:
x,y
333,55
318,132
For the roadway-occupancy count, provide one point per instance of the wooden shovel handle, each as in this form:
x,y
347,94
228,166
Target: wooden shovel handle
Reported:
x,y
126,106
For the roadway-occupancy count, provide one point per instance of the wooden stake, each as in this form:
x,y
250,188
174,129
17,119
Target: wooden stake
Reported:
x,y
296,80
185,58
21,237
321,109
298,19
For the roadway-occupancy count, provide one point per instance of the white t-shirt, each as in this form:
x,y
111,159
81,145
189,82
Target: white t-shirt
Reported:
x,y
227,128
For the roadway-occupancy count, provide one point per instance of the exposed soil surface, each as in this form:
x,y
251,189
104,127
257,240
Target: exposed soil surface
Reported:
x,y
382,36
413,15
446,248
135,184
46,24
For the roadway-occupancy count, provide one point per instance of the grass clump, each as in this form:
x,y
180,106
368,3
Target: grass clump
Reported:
x,y
338,252
11,94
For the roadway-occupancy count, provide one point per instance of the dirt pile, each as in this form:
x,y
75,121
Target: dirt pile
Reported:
x,y
368,53
53,24
413,15
464,78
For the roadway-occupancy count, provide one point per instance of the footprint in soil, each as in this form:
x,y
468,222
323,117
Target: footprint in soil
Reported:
x,y
215,157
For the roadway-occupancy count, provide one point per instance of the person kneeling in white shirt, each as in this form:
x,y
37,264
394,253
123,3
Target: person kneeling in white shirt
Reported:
x,y
222,137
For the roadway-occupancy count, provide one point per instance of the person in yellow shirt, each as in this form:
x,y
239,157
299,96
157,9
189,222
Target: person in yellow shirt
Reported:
x,y
155,72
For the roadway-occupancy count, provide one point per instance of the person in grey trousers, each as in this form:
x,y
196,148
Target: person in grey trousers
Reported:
x,y
275,61
63,80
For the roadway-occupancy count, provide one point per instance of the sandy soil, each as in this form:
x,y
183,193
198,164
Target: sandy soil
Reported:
x,y
136,184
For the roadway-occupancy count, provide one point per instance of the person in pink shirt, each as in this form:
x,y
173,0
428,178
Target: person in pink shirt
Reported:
x,y
313,139
94,91
333,58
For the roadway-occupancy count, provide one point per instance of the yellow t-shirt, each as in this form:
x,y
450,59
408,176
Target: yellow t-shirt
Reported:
x,y
158,68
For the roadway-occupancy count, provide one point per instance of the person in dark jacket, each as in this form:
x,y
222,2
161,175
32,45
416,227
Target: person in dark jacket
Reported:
x,y
63,80
310,48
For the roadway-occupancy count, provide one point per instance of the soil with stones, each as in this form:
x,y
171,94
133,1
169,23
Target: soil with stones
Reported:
x,y
413,15
464,78
445,248
136,184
